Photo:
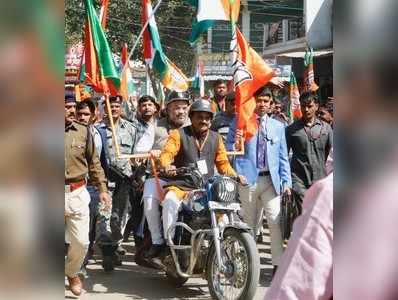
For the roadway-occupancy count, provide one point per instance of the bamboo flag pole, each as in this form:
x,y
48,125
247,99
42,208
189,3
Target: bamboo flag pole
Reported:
x,y
109,112
138,155
148,155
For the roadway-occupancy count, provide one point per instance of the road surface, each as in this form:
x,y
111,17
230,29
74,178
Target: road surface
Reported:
x,y
131,281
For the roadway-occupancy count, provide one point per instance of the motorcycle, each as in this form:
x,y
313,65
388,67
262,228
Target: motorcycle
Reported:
x,y
211,241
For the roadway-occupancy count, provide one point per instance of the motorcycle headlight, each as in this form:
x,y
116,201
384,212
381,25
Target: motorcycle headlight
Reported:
x,y
224,189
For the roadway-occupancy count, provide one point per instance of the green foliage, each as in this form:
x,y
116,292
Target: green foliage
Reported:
x,y
174,20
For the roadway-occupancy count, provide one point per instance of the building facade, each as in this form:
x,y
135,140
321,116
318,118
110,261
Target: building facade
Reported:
x,y
281,31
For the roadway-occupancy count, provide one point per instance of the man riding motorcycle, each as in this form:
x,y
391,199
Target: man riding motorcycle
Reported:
x,y
194,144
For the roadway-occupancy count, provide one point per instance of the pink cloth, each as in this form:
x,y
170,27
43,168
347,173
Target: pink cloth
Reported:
x,y
306,268
365,250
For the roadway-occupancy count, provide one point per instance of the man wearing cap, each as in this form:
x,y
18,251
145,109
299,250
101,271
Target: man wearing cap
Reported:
x,y
220,90
120,171
194,144
223,119
266,167
86,114
81,161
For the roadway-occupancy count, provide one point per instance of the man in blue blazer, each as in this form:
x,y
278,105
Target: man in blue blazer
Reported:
x,y
265,164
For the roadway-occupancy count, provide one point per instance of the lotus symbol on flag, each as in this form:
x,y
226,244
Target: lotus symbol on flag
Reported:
x,y
250,74
241,73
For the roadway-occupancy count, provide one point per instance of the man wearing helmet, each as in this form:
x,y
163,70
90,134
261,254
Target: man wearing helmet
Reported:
x,y
177,105
194,144
177,116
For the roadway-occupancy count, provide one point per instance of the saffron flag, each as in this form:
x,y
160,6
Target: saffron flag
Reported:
x,y
250,74
309,80
198,83
294,110
126,79
100,68
170,76
208,11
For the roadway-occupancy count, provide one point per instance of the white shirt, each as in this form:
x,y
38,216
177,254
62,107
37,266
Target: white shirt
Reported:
x,y
145,143
97,140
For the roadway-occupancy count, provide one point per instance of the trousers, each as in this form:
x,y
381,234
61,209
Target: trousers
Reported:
x,y
120,208
77,226
256,199
170,207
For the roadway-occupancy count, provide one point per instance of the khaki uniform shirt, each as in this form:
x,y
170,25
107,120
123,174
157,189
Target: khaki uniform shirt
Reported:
x,y
127,138
81,157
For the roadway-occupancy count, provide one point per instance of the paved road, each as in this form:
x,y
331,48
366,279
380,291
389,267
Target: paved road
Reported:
x,y
130,281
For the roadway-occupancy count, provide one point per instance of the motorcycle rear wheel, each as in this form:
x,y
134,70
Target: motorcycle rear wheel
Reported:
x,y
240,255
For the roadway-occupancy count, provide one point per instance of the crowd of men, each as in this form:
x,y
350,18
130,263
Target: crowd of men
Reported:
x,y
109,198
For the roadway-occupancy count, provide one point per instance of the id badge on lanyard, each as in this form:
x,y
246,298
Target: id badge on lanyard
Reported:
x,y
202,166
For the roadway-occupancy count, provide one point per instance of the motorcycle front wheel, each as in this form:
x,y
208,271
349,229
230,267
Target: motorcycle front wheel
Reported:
x,y
240,256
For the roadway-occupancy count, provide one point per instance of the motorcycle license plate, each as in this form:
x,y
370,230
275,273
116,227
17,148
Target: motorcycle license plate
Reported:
x,y
228,206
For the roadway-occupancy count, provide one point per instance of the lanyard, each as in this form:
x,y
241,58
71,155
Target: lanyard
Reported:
x,y
199,146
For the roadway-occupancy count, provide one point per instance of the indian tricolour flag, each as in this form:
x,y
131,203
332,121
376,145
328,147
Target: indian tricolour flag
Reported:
x,y
208,11
198,83
127,87
170,76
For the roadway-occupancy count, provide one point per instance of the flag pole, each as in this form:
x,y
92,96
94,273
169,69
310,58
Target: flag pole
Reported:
x,y
141,33
109,112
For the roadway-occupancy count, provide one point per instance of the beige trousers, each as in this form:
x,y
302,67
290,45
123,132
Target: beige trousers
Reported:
x,y
256,199
77,225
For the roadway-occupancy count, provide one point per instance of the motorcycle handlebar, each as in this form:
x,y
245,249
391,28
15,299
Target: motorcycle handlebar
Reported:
x,y
190,169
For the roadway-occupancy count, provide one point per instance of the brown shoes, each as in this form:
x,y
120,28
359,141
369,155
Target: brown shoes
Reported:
x,y
75,285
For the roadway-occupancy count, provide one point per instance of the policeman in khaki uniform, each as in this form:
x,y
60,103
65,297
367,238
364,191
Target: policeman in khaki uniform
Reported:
x,y
81,160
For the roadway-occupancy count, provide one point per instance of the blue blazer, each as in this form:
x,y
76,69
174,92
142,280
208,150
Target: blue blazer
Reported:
x,y
278,160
